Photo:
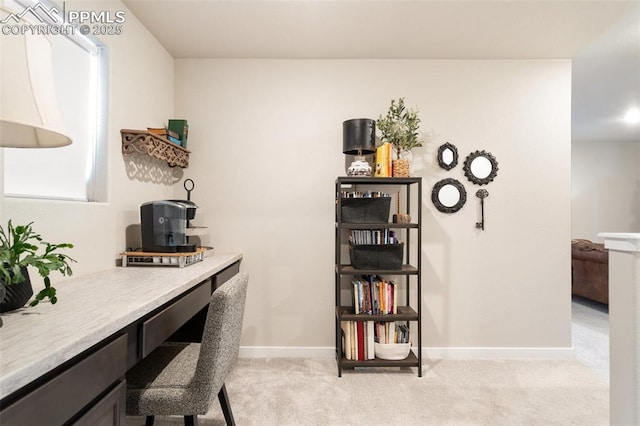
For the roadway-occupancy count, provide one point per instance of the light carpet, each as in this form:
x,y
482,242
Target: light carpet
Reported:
x,y
286,391
590,335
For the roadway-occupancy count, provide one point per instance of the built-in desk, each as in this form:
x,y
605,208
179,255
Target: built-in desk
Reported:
x,y
65,363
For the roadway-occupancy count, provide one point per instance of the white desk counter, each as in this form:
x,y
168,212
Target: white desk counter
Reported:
x,y
90,309
624,326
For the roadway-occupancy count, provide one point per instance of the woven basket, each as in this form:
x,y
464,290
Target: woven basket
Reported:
x,y
400,168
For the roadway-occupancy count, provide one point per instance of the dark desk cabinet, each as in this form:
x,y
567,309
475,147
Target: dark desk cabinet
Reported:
x,y
80,383
109,410
90,389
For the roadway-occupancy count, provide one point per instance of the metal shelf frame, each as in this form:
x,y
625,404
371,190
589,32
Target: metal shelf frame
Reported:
x,y
410,273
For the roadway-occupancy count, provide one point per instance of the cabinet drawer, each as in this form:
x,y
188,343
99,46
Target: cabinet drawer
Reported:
x,y
109,411
159,327
59,399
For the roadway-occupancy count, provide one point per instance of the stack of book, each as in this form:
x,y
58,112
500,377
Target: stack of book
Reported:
x,y
358,337
390,332
169,135
372,236
177,131
363,194
374,295
181,128
357,340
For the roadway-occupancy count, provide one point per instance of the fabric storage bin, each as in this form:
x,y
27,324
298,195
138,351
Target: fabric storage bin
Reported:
x,y
376,256
365,210
392,351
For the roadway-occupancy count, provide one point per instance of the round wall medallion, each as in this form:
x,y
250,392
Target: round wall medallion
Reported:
x,y
448,195
480,167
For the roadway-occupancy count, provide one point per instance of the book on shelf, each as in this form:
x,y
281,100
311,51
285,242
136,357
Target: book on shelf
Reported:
x,y
162,131
372,236
181,129
371,353
402,333
364,194
391,332
174,140
360,335
354,340
383,160
345,326
374,295
358,339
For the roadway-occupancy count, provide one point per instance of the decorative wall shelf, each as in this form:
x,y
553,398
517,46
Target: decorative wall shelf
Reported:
x,y
143,142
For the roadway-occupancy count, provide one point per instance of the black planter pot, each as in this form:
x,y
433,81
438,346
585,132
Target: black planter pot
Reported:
x,y
17,295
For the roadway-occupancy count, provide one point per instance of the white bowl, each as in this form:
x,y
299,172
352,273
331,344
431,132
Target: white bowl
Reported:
x,y
392,351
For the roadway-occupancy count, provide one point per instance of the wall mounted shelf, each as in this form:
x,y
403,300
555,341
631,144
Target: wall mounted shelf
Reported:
x,y
143,142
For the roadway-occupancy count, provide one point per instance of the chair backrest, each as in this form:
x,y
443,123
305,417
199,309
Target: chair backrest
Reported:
x,y
221,337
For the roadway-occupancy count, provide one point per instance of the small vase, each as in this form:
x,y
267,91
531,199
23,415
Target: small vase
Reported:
x,y
17,295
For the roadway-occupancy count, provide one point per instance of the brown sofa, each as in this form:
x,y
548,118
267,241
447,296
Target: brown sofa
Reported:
x,y
590,270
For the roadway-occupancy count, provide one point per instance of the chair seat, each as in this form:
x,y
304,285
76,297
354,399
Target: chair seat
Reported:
x,y
182,379
164,382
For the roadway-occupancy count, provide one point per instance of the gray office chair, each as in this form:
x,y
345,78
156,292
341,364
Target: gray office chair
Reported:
x,y
182,378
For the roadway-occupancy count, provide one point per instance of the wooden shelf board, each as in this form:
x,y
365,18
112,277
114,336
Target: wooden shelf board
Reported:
x,y
350,270
143,142
405,313
377,225
377,180
409,361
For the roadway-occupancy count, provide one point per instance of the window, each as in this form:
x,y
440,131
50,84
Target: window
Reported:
x,y
76,171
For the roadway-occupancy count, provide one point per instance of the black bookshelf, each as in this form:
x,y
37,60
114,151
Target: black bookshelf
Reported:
x,y
408,275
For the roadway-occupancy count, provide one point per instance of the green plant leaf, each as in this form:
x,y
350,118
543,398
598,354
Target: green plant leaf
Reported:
x,y
18,250
400,126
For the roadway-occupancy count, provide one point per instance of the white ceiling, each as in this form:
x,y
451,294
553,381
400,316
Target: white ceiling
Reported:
x,y
603,38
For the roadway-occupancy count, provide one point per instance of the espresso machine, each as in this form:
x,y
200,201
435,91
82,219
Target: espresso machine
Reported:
x,y
164,226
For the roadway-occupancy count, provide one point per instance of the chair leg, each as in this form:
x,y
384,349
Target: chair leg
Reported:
x,y
191,420
226,408
149,421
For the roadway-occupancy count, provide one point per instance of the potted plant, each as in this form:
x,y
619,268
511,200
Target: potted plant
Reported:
x,y
20,247
400,128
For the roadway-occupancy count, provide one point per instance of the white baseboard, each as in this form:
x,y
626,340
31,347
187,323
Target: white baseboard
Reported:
x,y
286,352
497,353
428,352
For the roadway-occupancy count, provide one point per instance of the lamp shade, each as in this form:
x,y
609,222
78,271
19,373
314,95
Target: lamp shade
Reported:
x,y
359,136
29,111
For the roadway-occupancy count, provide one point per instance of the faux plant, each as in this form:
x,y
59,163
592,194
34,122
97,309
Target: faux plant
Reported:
x,y
400,127
20,246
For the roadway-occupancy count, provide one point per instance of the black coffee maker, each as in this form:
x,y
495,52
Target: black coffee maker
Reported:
x,y
164,226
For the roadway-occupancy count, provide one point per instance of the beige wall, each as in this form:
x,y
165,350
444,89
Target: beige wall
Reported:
x,y
605,188
266,141
140,95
